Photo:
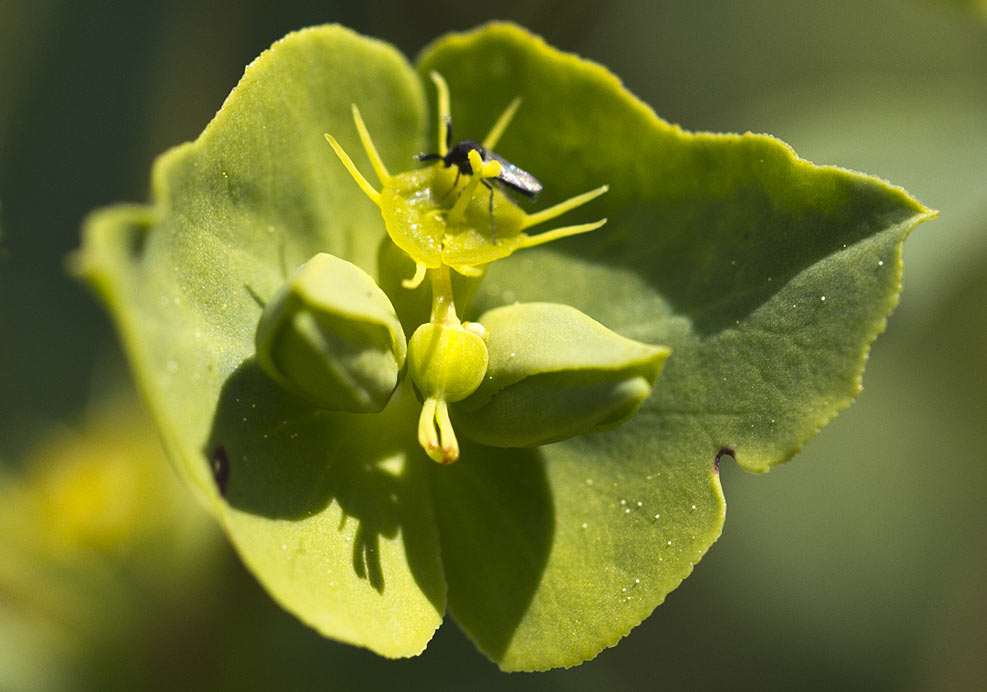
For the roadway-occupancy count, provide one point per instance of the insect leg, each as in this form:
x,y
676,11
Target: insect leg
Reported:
x,y
493,229
454,184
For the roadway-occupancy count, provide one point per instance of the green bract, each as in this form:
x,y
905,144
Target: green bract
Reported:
x,y
766,276
555,373
330,335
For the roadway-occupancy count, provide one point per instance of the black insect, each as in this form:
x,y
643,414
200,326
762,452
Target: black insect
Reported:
x,y
511,177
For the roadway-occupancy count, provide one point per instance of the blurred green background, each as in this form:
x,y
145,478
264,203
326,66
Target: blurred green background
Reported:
x,y
861,565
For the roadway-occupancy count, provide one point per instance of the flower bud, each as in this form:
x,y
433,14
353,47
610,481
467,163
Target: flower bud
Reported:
x,y
554,373
330,335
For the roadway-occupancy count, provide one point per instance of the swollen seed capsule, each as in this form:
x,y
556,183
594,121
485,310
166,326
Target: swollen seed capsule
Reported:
x,y
331,336
447,363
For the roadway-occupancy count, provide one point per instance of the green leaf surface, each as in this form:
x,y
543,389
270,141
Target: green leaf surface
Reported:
x,y
332,516
766,276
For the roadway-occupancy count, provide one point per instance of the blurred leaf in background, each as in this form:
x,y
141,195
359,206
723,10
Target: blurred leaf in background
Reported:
x,y
100,543
858,566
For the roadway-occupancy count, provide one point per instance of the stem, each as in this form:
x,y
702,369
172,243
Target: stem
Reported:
x,y
443,306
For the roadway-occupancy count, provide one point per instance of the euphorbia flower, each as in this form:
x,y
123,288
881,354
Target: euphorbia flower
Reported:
x,y
766,276
440,223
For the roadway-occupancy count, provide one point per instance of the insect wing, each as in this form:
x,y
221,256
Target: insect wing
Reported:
x,y
515,178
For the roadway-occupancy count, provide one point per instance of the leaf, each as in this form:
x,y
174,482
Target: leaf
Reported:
x,y
334,519
767,277
721,247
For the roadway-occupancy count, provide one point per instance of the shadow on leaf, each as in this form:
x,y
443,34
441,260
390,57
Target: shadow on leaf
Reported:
x,y
497,522
285,459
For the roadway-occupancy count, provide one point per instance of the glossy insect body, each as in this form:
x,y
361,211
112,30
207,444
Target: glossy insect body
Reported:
x,y
511,176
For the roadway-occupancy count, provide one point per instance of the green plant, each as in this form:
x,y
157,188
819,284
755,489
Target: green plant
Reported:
x,y
767,278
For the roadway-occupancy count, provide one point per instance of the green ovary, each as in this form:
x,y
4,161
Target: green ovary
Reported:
x,y
447,364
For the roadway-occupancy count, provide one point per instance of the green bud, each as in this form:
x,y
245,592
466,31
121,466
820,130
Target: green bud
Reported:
x,y
446,361
330,335
554,373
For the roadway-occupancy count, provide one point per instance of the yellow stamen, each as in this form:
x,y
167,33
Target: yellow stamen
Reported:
x,y
502,122
467,270
367,188
416,280
368,144
481,170
442,89
562,207
564,232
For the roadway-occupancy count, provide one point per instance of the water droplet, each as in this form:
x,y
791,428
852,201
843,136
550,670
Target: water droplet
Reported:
x,y
657,516
693,506
627,511
880,263
822,298
669,543
348,539
640,504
